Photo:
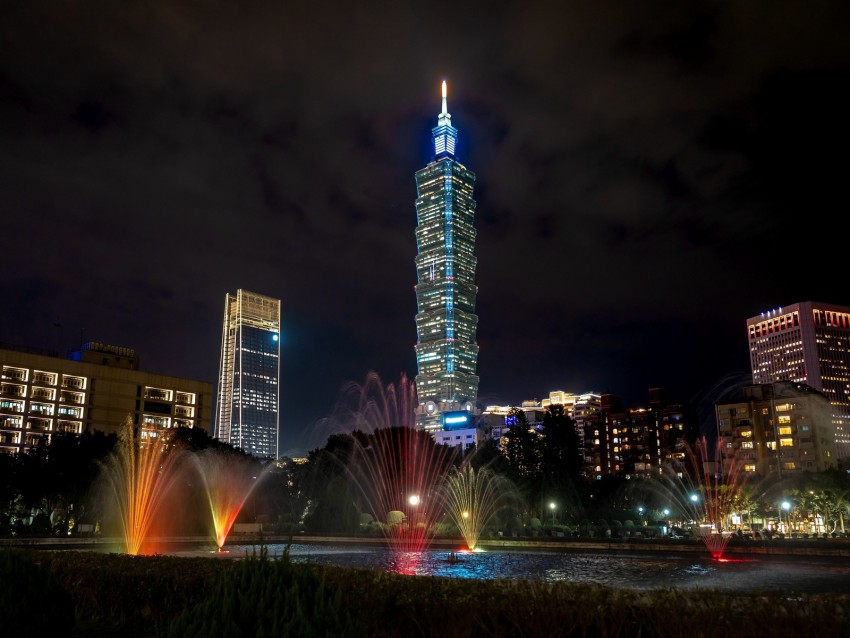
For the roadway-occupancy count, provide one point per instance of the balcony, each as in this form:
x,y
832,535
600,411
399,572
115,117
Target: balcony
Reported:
x,y
14,374
158,394
43,394
11,422
73,427
44,378
40,425
11,406
10,390
71,397
75,383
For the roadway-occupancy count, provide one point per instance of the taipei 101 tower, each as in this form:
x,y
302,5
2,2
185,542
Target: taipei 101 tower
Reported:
x,y
446,323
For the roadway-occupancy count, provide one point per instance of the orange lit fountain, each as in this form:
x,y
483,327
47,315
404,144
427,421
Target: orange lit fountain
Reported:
x,y
141,472
228,481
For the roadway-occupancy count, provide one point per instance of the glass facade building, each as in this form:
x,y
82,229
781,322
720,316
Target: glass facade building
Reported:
x,y
247,415
446,323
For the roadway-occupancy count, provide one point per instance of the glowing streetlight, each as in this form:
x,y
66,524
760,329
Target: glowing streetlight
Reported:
x,y
552,507
787,507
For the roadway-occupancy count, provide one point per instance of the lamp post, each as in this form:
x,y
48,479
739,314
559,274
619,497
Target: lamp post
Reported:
x,y
786,506
414,501
552,507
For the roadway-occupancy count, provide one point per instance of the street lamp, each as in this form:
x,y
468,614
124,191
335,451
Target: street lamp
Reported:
x,y
552,507
786,506
414,500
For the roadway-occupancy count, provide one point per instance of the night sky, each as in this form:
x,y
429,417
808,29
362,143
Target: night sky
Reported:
x,y
649,175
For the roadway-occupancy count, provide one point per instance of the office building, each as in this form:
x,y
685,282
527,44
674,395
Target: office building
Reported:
x,y
781,428
96,389
446,323
807,342
247,414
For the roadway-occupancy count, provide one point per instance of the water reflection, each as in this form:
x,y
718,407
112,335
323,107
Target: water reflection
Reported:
x,y
636,570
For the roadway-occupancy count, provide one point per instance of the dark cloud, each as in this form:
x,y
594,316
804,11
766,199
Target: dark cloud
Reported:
x,y
648,176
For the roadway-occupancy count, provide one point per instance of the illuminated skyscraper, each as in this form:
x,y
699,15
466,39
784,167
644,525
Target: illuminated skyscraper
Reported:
x,y
809,343
446,323
249,374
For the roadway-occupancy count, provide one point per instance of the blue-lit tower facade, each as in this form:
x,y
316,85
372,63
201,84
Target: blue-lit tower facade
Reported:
x,y
249,374
446,323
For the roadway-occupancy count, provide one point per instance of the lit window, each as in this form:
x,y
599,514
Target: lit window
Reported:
x,y
786,442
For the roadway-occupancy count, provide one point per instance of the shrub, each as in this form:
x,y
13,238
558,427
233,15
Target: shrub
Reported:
x,y
32,602
265,597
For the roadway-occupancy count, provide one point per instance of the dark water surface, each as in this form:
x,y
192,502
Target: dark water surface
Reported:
x,y
634,570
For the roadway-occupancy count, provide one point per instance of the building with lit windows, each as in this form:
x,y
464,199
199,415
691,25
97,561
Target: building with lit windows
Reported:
x,y
779,428
97,388
249,374
807,342
637,442
446,323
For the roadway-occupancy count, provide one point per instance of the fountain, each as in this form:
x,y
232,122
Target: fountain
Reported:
x,y
228,479
474,498
141,471
399,471
705,487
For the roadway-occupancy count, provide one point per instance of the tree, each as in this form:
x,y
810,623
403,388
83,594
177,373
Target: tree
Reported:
x,y
561,452
521,447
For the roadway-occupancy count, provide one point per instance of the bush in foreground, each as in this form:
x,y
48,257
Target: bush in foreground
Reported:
x,y
142,596
32,602
264,597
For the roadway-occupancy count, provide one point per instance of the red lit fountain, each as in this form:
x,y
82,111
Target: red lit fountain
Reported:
x,y
400,471
706,487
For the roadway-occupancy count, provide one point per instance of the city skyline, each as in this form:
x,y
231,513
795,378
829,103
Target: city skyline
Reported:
x,y
647,178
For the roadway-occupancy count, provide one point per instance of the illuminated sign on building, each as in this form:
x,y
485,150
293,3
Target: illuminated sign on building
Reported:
x,y
456,420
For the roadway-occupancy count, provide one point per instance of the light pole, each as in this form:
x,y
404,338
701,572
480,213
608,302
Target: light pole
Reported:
x,y
786,506
552,507
414,501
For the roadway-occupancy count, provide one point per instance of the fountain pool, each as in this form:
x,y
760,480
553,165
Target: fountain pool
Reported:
x,y
633,570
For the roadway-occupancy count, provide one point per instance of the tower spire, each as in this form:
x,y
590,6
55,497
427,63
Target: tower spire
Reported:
x,y
445,109
444,134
